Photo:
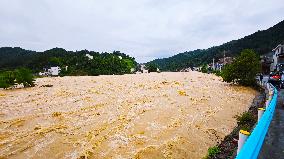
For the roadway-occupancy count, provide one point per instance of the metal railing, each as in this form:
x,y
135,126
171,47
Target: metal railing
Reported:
x,y
253,144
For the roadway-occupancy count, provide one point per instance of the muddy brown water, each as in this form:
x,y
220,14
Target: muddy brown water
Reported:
x,y
166,115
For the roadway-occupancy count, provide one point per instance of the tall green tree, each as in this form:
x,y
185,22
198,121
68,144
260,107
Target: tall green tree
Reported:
x,y
243,69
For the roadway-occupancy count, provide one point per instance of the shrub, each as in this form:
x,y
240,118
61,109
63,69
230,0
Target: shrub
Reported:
x,y
243,70
213,151
246,121
7,79
245,118
24,76
217,72
204,69
152,67
19,76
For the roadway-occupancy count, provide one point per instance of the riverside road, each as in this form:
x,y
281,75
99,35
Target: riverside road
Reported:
x,y
273,146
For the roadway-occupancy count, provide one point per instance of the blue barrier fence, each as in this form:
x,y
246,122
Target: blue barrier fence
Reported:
x,y
252,146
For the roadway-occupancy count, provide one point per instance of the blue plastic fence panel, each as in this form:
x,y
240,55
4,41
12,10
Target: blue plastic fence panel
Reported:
x,y
252,146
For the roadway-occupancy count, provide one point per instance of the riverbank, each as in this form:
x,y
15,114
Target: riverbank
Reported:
x,y
178,115
228,147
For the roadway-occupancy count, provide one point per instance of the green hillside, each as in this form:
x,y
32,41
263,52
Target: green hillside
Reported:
x,y
262,42
78,63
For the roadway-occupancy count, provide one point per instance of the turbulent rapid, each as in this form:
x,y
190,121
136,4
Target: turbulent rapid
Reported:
x,y
156,115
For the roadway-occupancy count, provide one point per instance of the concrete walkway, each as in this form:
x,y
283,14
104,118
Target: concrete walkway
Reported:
x,y
273,146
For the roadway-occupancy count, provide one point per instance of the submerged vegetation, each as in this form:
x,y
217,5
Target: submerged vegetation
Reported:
x,y
212,151
246,120
19,76
152,67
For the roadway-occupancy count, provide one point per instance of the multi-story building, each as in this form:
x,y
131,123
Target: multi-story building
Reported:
x,y
278,59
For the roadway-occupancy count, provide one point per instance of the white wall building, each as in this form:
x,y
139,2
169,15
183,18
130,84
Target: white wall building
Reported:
x,y
52,71
278,59
90,56
43,73
143,69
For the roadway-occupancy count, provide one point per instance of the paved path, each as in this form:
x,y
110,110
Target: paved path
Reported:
x,y
273,147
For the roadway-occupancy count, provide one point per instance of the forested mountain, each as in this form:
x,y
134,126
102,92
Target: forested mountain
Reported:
x,y
261,41
78,63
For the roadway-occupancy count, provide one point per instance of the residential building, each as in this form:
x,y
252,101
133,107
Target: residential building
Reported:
x,y
143,69
278,59
52,71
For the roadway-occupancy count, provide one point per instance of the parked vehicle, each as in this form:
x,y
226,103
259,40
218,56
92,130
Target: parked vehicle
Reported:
x,y
275,79
282,80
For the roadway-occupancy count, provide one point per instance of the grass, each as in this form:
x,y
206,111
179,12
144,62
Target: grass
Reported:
x,y
212,151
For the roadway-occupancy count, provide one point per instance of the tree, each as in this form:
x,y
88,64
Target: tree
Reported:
x,y
152,67
24,76
262,42
78,63
204,69
7,79
243,69
129,64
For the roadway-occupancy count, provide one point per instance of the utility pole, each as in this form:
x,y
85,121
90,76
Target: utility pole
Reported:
x,y
213,64
224,61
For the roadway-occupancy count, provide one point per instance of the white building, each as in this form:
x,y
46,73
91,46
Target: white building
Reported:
x,y
52,71
196,68
186,69
278,59
90,56
143,69
43,73
158,70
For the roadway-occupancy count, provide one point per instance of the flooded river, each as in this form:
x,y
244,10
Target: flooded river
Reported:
x,y
165,115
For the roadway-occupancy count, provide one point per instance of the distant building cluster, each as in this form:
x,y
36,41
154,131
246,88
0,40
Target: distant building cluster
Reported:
x,y
143,69
220,63
52,71
212,66
186,70
273,61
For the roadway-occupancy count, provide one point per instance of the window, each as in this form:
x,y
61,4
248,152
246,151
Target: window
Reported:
x,y
280,60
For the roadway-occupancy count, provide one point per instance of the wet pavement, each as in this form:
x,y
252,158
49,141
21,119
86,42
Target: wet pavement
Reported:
x,y
273,146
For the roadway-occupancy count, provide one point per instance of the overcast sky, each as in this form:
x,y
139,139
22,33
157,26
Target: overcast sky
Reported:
x,y
144,29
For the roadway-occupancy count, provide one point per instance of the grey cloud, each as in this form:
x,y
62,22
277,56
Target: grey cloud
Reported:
x,y
145,29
